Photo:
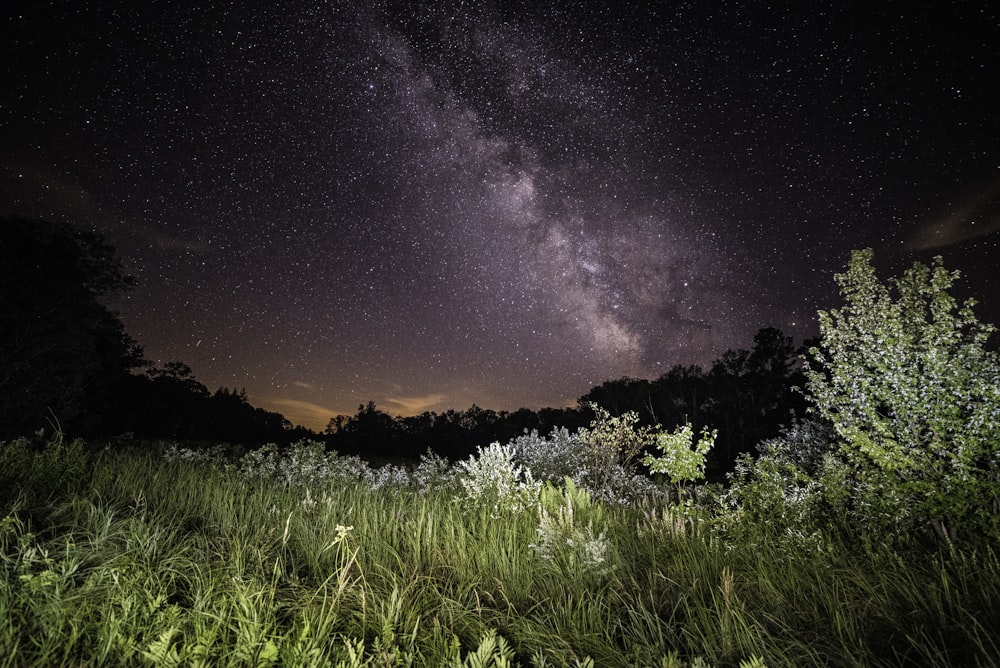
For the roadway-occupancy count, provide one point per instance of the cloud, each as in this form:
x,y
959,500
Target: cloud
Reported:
x,y
415,405
977,216
39,193
304,413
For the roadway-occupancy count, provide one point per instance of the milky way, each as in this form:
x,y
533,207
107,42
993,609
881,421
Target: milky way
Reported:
x,y
431,206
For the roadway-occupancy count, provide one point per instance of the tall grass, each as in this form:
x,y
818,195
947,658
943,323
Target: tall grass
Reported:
x,y
145,561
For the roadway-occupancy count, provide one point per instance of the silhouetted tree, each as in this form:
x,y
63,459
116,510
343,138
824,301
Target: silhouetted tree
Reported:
x,y
370,433
680,396
452,434
63,351
753,391
619,396
169,402
747,395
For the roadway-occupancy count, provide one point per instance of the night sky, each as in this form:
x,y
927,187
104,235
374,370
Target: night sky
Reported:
x,y
499,203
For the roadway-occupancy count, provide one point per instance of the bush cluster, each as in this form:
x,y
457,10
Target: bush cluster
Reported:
x,y
905,434
600,460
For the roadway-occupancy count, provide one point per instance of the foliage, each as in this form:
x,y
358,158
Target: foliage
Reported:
x,y
682,459
602,459
567,541
903,375
183,562
789,493
613,441
63,350
168,402
305,463
493,480
551,458
564,455
452,434
746,394
752,394
52,467
433,474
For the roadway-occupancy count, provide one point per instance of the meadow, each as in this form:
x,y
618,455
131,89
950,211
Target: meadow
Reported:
x,y
155,555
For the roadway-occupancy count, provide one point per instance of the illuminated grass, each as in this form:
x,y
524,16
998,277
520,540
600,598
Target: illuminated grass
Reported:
x,y
153,562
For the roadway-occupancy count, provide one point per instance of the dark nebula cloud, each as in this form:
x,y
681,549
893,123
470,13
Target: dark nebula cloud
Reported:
x,y
434,205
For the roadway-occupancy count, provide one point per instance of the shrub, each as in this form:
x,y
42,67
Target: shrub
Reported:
x,y
682,459
305,463
613,443
388,477
216,455
565,455
903,376
567,540
782,494
493,480
433,473
550,459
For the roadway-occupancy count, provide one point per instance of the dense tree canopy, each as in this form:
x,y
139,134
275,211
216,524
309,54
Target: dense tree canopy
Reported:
x,y
67,361
64,352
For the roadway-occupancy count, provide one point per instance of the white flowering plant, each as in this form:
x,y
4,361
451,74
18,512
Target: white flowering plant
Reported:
x,y
551,458
493,480
563,454
304,463
567,540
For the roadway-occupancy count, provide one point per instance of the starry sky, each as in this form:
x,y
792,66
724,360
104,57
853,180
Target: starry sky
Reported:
x,y
434,205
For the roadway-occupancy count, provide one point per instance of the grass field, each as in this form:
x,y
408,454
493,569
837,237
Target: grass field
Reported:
x,y
128,557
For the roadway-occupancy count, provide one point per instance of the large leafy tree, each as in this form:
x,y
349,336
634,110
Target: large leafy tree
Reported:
x,y
61,349
904,376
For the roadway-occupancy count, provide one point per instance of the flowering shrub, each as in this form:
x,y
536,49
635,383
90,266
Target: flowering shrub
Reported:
x,y
216,455
434,473
568,545
491,479
550,459
563,455
503,477
306,463
388,477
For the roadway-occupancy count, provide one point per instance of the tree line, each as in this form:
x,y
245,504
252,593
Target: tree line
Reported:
x,y
746,394
66,361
